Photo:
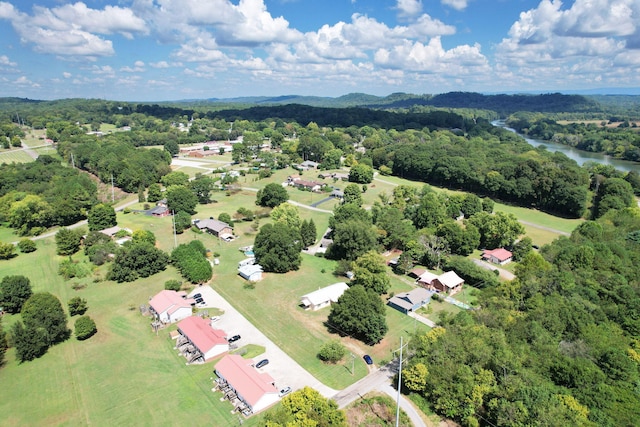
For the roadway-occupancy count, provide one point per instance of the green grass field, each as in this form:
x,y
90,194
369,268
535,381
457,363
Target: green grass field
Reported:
x,y
126,374
123,375
14,156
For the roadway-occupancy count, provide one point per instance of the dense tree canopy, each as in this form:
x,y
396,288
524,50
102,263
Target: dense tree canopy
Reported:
x,y
135,260
306,407
181,199
272,195
277,248
191,260
359,313
43,311
101,216
14,291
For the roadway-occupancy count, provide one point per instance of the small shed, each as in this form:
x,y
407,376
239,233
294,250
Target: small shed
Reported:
x,y
252,273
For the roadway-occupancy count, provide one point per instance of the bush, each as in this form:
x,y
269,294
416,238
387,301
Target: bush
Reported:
x,y
77,305
332,351
172,285
85,327
26,245
69,269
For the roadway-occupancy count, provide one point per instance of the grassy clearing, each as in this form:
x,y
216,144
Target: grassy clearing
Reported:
x,y
15,156
435,309
123,375
539,218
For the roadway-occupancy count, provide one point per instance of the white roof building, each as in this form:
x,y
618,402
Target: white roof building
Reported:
x,y
324,296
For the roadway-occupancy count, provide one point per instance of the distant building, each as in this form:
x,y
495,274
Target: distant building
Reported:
x,y
497,256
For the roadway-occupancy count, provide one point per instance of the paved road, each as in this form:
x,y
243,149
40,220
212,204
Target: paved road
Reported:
x,y
379,380
284,370
422,319
504,274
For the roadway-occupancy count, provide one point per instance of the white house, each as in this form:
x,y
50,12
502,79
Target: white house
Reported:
x,y
208,342
252,273
324,296
257,390
171,306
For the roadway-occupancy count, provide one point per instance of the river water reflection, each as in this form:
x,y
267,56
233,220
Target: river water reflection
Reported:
x,y
579,156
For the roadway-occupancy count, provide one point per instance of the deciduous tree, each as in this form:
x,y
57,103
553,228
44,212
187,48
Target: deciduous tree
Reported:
x,y
180,198
101,216
277,248
44,311
85,328
288,214
271,195
361,174
68,241
14,291
359,313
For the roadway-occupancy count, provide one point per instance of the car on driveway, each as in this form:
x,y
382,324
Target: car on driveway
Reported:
x,y
284,391
198,295
233,338
368,359
262,363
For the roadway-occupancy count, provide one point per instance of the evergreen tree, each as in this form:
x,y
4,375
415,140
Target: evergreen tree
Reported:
x,y
308,232
29,343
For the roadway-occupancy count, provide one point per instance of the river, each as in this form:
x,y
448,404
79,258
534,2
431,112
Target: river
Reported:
x,y
579,156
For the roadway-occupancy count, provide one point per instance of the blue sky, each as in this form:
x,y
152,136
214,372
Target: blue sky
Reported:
x,y
155,50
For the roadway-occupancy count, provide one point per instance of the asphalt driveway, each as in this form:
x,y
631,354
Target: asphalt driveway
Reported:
x,y
284,370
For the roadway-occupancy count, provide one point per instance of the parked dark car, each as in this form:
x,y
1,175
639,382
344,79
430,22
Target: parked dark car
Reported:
x,y
368,359
263,362
233,338
196,296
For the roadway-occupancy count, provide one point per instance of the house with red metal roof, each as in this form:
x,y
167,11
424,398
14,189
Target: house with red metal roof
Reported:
x,y
201,339
497,256
256,389
171,306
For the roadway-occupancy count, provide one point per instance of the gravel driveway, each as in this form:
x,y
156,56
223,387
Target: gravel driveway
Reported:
x,y
284,370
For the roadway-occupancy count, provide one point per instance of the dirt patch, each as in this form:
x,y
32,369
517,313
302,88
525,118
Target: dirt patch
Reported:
x,y
374,410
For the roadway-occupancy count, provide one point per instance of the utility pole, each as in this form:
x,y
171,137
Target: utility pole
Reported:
x,y
353,366
173,222
399,383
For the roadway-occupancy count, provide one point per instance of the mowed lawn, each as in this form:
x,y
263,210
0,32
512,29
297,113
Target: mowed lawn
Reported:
x,y
124,375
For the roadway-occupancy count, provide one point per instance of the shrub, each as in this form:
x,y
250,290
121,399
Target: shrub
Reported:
x,y
26,245
69,269
85,327
172,285
332,351
77,305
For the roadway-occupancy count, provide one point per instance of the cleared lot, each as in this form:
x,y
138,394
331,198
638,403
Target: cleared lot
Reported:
x,y
284,370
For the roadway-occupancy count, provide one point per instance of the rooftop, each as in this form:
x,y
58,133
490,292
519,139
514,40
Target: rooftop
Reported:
x,y
201,334
247,382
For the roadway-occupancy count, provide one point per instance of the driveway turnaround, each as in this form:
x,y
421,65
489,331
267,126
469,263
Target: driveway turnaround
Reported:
x,y
284,370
